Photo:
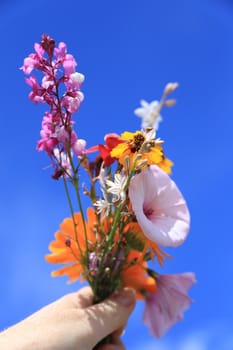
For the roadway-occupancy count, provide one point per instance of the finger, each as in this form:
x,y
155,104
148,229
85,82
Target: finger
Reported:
x,y
116,344
112,347
84,298
110,315
119,332
79,300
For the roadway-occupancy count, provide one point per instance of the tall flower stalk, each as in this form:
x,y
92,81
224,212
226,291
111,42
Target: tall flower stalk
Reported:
x,y
135,207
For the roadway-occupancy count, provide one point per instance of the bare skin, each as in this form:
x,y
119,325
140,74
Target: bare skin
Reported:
x,y
73,323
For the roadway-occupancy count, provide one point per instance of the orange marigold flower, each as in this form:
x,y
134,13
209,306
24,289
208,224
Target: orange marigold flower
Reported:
x,y
70,247
150,151
134,275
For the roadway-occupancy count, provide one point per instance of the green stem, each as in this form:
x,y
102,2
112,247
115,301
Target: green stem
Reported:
x,y
76,186
75,182
72,212
106,248
112,233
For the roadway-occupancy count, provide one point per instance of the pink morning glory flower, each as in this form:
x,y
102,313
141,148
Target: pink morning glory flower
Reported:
x,y
165,307
159,206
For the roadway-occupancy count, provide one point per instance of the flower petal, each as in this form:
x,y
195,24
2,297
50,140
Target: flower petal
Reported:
x,y
166,306
159,206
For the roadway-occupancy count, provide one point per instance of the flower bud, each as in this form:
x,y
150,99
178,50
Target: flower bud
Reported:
x,y
77,77
170,103
48,44
170,87
79,147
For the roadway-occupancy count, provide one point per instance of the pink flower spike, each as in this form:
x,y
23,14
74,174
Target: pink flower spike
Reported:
x,y
72,103
39,50
75,81
62,135
60,51
165,307
160,208
79,147
28,65
69,64
63,162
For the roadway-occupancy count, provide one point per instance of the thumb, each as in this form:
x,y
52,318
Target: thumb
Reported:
x,y
109,315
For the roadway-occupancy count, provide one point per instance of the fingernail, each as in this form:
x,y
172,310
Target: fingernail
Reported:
x,y
125,296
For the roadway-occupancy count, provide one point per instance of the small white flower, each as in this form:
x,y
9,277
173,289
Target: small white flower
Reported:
x,y
103,205
117,188
150,114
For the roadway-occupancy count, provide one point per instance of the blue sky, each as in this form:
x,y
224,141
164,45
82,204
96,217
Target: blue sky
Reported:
x,y
128,50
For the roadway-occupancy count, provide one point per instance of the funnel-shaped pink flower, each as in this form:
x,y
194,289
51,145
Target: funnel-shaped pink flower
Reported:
x,y
160,208
165,307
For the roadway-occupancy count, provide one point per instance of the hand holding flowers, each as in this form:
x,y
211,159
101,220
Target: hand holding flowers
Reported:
x,y
135,207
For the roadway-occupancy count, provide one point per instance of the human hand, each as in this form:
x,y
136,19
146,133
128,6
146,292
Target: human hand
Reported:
x,y
73,323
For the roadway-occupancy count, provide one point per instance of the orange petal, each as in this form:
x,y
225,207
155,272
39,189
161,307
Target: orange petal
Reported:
x,y
137,279
56,246
135,276
72,271
60,258
67,228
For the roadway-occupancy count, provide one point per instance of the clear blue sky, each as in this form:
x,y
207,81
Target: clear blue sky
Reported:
x,y
128,50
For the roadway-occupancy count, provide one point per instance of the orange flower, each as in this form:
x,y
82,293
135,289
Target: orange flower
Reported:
x,y
134,275
70,247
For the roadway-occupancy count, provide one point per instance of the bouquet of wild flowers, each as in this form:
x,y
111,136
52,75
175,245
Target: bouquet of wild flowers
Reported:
x,y
135,207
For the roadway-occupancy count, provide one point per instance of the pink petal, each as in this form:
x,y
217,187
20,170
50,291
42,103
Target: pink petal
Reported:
x,y
165,307
160,208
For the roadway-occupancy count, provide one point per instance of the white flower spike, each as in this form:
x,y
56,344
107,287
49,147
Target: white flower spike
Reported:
x,y
150,114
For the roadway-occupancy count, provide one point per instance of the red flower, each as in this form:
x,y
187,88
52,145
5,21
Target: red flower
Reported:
x,y
111,141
